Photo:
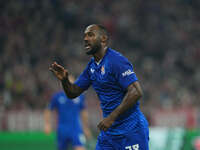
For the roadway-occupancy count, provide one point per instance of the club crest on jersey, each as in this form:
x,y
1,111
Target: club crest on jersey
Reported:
x,y
102,70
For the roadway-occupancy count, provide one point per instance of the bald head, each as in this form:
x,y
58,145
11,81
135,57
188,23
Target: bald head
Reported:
x,y
98,28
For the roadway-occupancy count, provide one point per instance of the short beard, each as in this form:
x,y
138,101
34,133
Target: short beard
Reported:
x,y
95,49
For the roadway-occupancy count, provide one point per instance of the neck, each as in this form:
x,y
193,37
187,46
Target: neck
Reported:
x,y
99,55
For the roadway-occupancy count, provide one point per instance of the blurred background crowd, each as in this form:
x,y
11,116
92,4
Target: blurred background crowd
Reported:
x,y
160,38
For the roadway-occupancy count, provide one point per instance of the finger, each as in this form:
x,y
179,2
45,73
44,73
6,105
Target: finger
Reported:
x,y
99,126
52,70
102,127
57,67
55,62
105,129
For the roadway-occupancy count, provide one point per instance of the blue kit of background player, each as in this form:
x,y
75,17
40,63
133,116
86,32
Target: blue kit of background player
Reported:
x,y
69,128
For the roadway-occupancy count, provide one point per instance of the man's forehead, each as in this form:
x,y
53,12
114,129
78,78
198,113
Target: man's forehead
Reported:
x,y
91,28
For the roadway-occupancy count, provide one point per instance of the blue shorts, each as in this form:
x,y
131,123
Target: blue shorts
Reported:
x,y
137,140
64,140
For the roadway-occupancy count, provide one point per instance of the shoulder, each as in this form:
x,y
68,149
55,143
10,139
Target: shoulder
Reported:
x,y
116,58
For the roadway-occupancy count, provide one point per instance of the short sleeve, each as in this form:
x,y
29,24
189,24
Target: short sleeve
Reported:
x,y
83,80
53,103
123,72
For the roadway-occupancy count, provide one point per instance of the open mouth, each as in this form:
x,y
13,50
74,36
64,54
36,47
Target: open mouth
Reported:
x,y
87,46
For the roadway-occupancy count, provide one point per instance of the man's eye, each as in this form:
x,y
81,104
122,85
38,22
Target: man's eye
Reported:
x,y
90,34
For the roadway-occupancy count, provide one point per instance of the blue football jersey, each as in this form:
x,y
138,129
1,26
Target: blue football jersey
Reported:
x,y
68,111
110,79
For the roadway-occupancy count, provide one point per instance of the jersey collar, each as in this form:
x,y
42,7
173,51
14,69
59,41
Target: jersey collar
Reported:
x,y
99,62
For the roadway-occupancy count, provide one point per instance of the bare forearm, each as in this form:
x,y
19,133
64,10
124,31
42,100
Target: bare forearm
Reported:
x,y
47,117
71,90
61,73
47,121
130,99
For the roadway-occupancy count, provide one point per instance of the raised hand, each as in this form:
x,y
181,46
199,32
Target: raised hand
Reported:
x,y
59,71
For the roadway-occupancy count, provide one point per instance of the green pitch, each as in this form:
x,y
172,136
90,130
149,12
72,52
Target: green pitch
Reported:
x,y
27,141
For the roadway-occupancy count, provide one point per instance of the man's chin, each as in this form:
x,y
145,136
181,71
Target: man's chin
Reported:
x,y
89,52
87,49
93,50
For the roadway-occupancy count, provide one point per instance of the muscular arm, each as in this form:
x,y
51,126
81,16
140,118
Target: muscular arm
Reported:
x,y
71,90
134,92
132,96
61,73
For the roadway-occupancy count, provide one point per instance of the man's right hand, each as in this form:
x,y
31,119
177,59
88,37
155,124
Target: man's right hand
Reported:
x,y
59,71
47,129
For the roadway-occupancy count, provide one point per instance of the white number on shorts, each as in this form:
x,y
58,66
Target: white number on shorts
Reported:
x,y
133,147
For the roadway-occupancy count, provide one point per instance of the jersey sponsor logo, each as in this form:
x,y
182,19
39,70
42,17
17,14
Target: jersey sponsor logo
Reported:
x,y
127,73
133,147
92,70
102,70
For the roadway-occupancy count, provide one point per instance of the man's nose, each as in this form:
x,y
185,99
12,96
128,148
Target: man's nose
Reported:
x,y
85,38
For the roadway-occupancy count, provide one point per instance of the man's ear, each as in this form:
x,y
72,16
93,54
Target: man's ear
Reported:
x,y
104,38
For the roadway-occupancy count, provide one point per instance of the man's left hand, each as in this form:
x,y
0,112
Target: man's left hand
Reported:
x,y
105,123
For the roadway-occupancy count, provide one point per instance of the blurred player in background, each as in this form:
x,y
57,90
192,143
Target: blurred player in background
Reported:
x,y
72,120
112,76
